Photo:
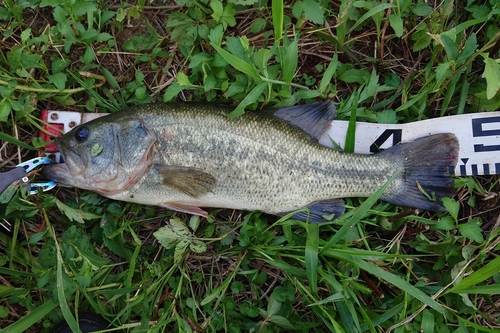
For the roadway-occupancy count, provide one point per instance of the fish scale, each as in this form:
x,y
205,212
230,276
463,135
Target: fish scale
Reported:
x,y
185,156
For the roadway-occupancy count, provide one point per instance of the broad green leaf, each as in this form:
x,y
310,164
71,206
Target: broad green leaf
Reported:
x,y
452,206
60,14
183,79
5,14
396,23
313,12
96,150
74,214
371,87
80,8
387,117
273,306
251,98
282,322
249,310
469,49
198,246
257,26
25,35
110,78
290,58
194,222
355,76
4,110
422,43
492,75
237,63
427,324
218,9
450,46
472,231
172,91
298,9
421,9
173,233
446,223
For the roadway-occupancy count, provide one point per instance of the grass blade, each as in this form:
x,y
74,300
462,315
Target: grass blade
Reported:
x,y
350,137
31,318
370,13
328,75
358,215
477,277
398,282
311,256
277,12
14,141
492,289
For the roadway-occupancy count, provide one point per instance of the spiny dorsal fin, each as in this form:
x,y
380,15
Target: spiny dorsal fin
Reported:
x,y
314,119
191,181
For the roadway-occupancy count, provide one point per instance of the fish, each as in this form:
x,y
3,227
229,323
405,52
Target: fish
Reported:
x,y
190,156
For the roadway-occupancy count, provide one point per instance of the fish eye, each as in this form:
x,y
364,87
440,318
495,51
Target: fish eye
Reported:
x,y
81,134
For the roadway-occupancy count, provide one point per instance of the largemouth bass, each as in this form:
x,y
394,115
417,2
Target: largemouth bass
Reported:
x,y
187,156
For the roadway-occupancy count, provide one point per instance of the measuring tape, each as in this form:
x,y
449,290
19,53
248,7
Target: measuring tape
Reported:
x,y
477,133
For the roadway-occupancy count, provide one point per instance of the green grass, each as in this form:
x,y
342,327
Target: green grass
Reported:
x,y
376,269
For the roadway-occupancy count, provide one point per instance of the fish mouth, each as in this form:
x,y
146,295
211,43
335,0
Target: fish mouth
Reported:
x,y
57,172
63,173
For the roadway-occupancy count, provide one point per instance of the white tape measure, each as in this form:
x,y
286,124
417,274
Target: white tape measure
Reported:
x,y
477,133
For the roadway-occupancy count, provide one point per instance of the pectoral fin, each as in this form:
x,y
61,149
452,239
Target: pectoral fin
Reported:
x,y
191,181
184,208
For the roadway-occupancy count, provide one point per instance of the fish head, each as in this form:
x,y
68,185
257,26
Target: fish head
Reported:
x,y
105,155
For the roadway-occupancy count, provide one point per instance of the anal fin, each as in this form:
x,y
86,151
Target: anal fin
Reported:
x,y
319,210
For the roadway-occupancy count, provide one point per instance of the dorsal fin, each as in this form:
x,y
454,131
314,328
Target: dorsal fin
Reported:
x,y
314,119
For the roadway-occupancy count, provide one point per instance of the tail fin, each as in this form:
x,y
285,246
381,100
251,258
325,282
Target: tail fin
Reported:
x,y
428,164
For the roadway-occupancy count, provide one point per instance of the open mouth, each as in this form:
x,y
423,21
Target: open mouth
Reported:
x,y
57,172
73,165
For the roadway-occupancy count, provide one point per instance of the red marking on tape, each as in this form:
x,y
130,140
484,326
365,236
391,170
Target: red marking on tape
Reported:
x,y
54,129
